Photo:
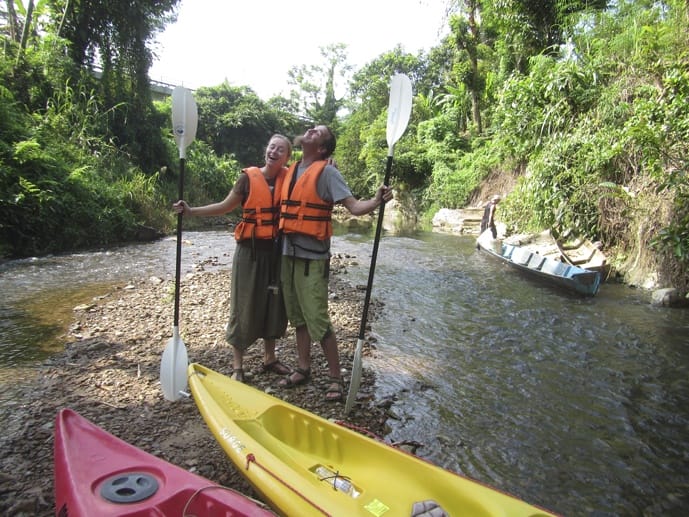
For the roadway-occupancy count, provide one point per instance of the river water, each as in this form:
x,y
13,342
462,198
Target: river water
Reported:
x,y
578,404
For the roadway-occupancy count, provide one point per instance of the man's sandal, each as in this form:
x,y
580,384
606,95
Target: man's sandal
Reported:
x,y
238,375
277,367
289,381
335,389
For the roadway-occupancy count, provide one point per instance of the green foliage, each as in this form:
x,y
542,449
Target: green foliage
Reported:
x,y
362,146
590,102
209,178
235,121
316,97
63,185
562,190
608,115
671,124
456,175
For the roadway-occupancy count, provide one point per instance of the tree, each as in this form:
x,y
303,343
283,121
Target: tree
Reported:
x,y
11,20
234,120
362,147
317,84
114,37
467,37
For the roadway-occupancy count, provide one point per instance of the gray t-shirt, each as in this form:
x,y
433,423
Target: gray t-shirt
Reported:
x,y
331,187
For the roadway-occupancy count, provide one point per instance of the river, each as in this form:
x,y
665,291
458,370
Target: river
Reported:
x,y
578,404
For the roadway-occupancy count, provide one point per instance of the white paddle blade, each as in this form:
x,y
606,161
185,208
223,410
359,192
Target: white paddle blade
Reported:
x,y
356,377
399,109
173,368
184,118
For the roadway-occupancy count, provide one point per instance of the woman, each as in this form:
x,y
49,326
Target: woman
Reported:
x,y
257,309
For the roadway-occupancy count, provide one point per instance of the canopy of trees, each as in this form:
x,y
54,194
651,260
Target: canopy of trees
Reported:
x,y
586,103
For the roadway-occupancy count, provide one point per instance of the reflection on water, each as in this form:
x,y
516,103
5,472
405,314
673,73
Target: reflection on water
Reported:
x,y
33,327
578,404
39,294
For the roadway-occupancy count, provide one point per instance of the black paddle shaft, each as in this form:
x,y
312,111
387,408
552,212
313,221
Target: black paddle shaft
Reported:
x,y
178,265
374,256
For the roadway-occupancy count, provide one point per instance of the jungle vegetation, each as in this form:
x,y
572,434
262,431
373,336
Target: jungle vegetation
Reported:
x,y
584,104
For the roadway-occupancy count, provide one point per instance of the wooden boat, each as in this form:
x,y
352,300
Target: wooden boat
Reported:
x,y
559,273
97,474
304,465
584,254
565,247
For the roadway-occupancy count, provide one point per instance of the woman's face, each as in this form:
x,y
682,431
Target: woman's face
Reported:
x,y
277,152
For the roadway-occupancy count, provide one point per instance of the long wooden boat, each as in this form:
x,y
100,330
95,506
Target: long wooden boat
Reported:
x,y
306,465
97,474
569,276
584,254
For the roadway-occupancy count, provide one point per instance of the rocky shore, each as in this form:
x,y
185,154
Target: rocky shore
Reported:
x,y
109,373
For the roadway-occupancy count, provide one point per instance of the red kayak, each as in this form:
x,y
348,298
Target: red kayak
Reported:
x,y
97,474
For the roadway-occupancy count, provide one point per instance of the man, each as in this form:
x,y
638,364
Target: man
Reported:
x,y
488,220
310,190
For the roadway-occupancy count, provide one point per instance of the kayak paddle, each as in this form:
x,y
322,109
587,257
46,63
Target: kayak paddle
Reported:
x,y
399,109
173,365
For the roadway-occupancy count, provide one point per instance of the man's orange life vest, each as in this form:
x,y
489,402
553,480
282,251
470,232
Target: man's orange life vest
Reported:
x,y
261,210
302,210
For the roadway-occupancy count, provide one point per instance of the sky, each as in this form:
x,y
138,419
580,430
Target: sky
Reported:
x,y
255,42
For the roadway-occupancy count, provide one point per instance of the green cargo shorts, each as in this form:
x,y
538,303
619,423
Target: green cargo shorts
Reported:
x,y
305,291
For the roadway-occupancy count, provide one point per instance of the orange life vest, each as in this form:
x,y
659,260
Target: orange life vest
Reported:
x,y
261,210
302,210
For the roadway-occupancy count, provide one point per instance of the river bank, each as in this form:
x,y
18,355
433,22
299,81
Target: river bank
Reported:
x,y
109,373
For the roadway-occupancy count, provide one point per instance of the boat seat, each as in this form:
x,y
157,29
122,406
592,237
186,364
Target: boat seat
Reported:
x,y
555,267
521,256
536,261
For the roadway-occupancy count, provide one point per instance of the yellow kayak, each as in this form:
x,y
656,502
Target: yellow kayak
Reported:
x,y
303,464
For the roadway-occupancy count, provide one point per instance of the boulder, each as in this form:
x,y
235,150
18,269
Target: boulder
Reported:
x,y
668,297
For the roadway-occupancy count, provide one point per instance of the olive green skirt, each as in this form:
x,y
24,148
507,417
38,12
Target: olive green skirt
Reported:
x,y
257,309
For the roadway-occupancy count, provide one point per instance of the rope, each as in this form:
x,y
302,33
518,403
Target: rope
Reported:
x,y
250,458
361,430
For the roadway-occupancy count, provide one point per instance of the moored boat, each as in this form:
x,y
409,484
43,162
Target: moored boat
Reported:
x,y
584,254
569,276
303,464
97,474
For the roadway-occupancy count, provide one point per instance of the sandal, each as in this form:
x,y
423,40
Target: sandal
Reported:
x,y
289,382
335,389
238,374
277,367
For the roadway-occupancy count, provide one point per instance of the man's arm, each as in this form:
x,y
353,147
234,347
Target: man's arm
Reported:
x,y
363,207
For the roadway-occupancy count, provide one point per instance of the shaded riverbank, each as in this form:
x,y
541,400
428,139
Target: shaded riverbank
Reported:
x,y
109,373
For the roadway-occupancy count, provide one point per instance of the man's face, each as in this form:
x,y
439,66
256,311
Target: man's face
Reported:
x,y
315,135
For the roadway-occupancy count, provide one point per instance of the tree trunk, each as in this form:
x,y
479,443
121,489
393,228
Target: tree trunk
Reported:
x,y
473,53
27,25
12,16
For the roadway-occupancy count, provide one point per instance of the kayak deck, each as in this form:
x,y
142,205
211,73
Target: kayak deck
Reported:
x,y
97,474
304,464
